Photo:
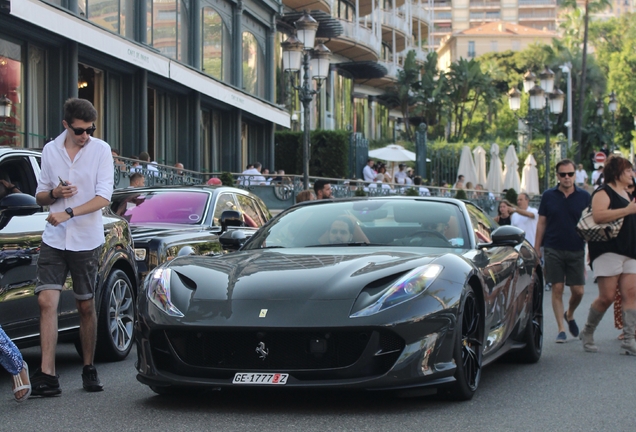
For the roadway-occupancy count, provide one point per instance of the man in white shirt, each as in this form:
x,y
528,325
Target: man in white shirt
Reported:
x,y
252,176
400,176
367,173
525,217
417,181
76,182
596,174
580,176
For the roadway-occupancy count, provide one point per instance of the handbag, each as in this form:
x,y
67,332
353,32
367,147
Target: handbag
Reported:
x,y
589,230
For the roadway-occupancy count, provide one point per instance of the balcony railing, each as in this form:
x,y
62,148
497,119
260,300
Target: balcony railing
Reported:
x,y
545,14
396,21
362,35
537,2
484,16
442,16
485,3
392,68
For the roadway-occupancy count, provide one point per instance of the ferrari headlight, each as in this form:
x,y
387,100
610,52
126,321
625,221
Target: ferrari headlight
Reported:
x,y
158,291
408,286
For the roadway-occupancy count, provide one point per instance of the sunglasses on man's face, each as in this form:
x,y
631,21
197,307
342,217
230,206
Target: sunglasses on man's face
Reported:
x,y
564,174
80,131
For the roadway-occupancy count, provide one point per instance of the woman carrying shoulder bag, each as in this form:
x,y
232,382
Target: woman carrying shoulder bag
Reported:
x,y
614,261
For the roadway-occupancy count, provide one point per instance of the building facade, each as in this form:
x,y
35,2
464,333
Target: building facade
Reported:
x,y
451,16
492,37
190,81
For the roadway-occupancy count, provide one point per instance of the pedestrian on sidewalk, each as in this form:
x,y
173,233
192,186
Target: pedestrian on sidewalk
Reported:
x,y
559,212
11,360
614,261
76,182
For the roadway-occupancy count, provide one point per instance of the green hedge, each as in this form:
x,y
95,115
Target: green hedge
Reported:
x,y
329,153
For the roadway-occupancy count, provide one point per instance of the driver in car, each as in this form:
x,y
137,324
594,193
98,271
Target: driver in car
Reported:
x,y
341,230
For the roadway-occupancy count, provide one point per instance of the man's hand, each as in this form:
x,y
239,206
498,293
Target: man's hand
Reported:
x,y
538,251
67,191
57,218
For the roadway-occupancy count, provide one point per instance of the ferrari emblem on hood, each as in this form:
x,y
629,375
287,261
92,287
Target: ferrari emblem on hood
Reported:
x,y
263,313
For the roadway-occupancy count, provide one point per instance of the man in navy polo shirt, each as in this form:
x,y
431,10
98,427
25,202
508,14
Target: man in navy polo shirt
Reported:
x,y
564,257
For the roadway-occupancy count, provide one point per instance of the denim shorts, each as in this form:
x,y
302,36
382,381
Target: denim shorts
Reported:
x,y
55,264
564,266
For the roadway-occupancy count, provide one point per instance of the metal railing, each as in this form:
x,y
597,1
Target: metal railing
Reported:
x,y
537,3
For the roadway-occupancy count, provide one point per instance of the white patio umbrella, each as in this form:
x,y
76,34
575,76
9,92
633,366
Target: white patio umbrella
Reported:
x,y
511,171
530,176
467,167
495,174
392,153
480,164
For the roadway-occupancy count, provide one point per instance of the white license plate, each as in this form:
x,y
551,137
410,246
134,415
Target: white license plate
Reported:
x,y
260,378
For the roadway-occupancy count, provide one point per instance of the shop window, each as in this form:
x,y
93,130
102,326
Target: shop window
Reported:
x,y
168,27
216,49
163,116
114,15
11,109
253,66
211,149
90,86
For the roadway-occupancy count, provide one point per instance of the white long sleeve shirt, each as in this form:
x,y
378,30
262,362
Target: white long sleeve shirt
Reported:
x,y
92,172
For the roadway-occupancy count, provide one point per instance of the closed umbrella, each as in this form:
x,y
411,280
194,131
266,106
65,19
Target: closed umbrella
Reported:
x,y
511,171
480,164
467,167
495,174
530,176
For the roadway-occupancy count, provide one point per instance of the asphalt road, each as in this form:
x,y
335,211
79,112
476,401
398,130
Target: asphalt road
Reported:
x,y
568,390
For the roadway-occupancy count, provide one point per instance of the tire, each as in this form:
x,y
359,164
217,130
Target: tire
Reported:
x,y
533,335
115,318
468,348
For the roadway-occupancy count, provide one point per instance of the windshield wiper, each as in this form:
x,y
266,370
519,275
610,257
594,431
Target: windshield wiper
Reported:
x,y
273,247
347,244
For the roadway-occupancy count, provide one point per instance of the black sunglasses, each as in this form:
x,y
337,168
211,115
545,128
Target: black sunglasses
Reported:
x,y
80,131
569,174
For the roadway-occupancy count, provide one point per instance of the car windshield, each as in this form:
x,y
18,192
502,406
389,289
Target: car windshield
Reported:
x,y
388,222
175,207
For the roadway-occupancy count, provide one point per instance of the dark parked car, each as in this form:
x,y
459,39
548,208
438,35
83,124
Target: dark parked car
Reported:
x,y
171,221
374,293
22,222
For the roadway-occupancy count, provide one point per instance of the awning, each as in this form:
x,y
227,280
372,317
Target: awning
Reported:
x,y
364,69
329,27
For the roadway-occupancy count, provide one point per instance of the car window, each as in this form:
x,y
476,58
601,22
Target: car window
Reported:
x,y
483,226
251,212
225,201
176,207
19,171
390,223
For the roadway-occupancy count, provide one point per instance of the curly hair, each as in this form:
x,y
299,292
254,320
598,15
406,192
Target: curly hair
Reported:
x,y
614,167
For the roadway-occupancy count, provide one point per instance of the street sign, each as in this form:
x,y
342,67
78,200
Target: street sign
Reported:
x,y
600,157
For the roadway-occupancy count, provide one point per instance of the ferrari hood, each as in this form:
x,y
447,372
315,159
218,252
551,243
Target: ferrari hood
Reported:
x,y
293,274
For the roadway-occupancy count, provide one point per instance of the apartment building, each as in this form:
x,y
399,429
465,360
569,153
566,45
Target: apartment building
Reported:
x,y
491,37
451,16
367,55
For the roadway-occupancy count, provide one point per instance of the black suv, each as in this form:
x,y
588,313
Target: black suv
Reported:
x,y
22,222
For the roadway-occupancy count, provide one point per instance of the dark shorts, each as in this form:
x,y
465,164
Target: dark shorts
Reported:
x,y
564,265
55,264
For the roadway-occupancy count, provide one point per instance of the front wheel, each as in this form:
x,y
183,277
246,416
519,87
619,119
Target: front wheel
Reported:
x,y
468,349
115,318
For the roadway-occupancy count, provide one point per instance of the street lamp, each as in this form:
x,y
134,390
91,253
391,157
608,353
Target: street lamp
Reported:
x,y
300,47
543,97
612,106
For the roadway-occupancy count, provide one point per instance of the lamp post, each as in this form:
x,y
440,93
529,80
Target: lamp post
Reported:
x,y
296,49
612,106
543,97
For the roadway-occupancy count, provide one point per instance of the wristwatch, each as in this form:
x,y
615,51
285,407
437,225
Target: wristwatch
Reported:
x,y
69,211
51,195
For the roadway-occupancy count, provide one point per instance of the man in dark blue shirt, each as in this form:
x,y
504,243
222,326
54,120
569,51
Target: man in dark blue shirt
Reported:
x,y
559,212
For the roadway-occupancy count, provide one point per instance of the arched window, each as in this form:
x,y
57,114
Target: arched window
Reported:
x,y
253,66
216,45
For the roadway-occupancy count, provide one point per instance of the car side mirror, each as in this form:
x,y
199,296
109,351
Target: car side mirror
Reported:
x,y
231,218
17,204
233,239
506,235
